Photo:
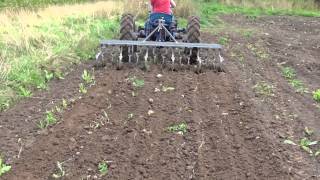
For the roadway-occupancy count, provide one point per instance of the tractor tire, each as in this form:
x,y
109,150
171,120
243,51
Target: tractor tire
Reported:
x,y
127,28
193,36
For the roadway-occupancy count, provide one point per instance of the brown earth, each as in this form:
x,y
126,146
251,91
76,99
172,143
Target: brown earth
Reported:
x,y
233,132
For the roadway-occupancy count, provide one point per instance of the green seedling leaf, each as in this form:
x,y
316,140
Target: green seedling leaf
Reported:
x,y
136,82
3,167
103,168
289,142
179,128
316,95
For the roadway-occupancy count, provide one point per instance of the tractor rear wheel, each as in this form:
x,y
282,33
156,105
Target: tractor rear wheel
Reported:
x,y
127,28
193,36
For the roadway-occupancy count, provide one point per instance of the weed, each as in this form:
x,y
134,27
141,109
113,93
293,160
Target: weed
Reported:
x,y
264,89
223,40
3,167
138,83
61,172
316,95
82,88
178,128
103,168
49,120
87,77
288,72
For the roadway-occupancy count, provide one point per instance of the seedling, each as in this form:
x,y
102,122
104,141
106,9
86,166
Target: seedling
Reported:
x,y
82,89
61,172
317,153
138,83
298,85
87,77
179,128
316,95
3,167
103,168
305,144
288,73
49,120
263,88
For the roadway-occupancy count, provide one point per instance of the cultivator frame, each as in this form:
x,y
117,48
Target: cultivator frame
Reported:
x,y
165,50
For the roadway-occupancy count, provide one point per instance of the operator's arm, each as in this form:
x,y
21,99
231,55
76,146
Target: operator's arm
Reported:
x,y
173,4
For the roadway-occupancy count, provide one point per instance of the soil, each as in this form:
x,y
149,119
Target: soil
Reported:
x,y
233,131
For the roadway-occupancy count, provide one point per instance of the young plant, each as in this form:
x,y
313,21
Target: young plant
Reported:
x,y
317,153
298,85
138,83
3,167
316,95
305,144
87,77
178,128
263,88
82,88
288,73
61,172
49,120
103,168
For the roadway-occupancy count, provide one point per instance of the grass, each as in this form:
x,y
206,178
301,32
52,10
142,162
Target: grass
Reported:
x,y
180,128
3,167
37,47
215,7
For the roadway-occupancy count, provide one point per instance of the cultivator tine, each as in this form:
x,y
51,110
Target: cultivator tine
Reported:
x,y
173,55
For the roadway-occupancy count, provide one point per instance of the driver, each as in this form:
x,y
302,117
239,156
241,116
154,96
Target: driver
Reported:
x,y
162,6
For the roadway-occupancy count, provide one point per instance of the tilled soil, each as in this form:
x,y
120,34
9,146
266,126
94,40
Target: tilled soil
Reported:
x,y
233,132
